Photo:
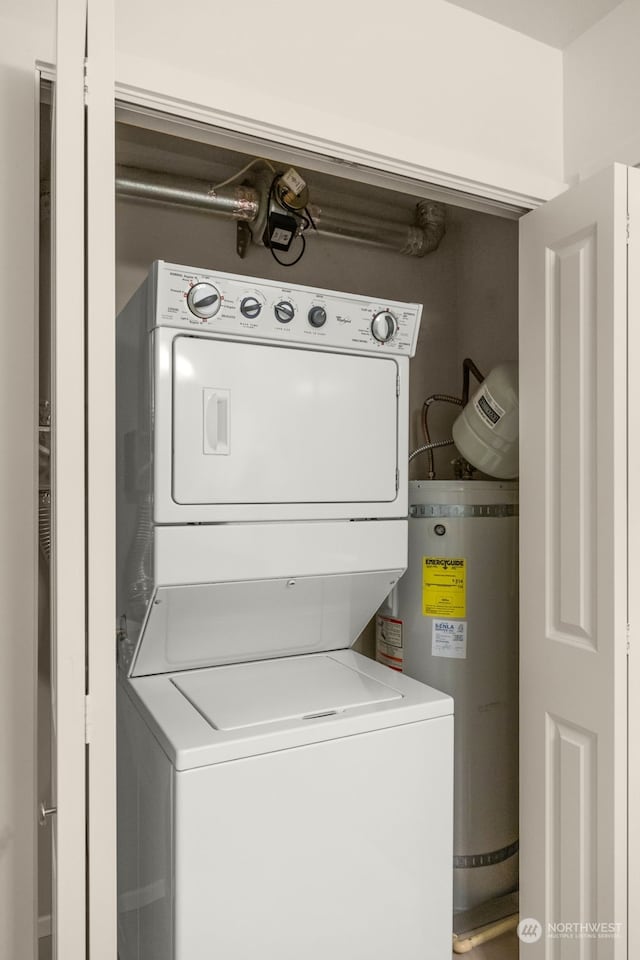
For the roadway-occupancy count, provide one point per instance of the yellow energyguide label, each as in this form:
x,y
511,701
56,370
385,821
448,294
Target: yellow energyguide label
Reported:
x,y
444,585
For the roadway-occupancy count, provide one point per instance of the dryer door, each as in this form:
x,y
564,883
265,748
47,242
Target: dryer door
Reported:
x,y
264,424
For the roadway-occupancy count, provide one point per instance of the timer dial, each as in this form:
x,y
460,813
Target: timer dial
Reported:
x,y
204,300
317,316
284,311
384,326
250,308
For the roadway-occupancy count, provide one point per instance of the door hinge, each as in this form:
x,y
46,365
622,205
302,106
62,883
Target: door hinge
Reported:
x,y
628,229
87,719
86,80
628,639
397,385
397,479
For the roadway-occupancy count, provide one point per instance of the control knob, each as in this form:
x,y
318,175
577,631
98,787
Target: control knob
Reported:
x,y
250,307
204,300
384,326
317,316
284,311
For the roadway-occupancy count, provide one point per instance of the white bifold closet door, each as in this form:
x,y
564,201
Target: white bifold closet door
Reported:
x,y
83,525
579,399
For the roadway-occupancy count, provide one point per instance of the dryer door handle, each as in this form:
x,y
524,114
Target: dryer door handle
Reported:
x,y
216,409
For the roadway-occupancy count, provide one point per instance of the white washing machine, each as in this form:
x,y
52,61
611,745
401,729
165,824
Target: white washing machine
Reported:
x,y
280,796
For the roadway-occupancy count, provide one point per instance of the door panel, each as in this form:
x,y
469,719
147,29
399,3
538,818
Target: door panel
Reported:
x,y
83,528
573,402
100,479
68,487
329,424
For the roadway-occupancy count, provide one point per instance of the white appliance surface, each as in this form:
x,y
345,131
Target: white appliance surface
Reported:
x,y
205,553
254,424
335,844
338,850
214,623
182,710
230,592
302,688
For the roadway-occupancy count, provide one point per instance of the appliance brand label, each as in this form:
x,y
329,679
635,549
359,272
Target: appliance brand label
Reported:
x,y
449,639
444,587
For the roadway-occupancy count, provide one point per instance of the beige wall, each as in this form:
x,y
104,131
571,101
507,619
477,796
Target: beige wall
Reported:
x,y
480,296
602,94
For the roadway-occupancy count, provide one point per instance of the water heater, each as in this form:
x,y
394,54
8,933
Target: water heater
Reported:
x,y
452,622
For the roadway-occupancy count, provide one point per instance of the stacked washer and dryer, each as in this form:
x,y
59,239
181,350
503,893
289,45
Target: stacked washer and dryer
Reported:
x,y
280,796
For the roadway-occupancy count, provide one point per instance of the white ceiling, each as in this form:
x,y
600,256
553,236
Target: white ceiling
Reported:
x,y
556,22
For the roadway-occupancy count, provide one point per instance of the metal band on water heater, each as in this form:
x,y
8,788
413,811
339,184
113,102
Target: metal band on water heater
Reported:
x,y
464,510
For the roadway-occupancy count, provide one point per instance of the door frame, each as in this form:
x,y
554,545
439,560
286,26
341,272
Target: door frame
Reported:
x,y
213,125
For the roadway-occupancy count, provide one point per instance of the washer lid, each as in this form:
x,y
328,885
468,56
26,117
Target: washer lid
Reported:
x,y
301,688
183,708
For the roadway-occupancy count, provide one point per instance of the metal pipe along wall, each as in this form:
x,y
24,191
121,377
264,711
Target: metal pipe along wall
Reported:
x,y
243,203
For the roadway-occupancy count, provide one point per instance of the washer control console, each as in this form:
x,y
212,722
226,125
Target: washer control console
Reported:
x,y
236,306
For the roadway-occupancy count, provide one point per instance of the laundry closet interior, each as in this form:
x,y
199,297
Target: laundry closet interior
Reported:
x,y
467,285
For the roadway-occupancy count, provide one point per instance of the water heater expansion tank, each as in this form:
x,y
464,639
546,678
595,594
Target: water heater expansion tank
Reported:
x,y
486,432
457,611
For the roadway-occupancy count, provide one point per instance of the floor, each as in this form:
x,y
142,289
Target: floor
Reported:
x,y
504,948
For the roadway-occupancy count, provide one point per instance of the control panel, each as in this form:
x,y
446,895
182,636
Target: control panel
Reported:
x,y
268,310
